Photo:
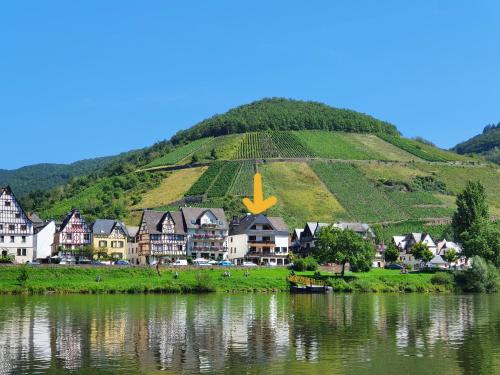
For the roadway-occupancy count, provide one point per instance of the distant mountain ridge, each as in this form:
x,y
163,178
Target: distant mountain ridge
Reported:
x,y
486,144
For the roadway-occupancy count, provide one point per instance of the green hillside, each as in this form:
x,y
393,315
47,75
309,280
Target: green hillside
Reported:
x,y
486,144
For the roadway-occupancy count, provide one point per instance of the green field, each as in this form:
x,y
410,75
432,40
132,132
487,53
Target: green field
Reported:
x,y
112,279
421,150
385,232
359,196
225,148
179,153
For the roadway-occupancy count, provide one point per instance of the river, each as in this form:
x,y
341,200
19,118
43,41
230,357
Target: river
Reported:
x,y
250,333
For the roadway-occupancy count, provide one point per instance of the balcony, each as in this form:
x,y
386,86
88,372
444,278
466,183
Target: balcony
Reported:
x,y
261,243
209,248
208,237
258,254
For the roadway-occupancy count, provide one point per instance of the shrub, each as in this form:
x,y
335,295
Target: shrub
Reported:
x,y
481,277
305,264
442,278
339,285
204,283
23,275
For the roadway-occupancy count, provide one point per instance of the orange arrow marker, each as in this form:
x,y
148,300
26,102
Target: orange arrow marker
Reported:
x,y
259,204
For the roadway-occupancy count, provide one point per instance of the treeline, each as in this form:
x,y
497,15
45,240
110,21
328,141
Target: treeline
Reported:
x,y
487,144
284,114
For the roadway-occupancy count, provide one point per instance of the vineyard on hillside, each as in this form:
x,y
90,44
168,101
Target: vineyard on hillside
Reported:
x,y
201,186
290,146
243,185
361,198
224,180
179,153
413,147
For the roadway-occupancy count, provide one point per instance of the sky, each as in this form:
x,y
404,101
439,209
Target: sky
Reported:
x,y
81,79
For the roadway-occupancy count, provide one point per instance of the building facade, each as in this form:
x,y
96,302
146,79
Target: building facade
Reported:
x,y
258,239
73,233
43,241
132,245
110,237
405,244
16,229
161,235
207,231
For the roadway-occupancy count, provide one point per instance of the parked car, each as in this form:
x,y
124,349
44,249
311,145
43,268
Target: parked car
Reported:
x,y
249,264
394,266
84,261
33,262
180,262
225,263
122,262
67,261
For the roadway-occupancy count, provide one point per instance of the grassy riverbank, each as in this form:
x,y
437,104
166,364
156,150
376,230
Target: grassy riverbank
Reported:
x,y
63,279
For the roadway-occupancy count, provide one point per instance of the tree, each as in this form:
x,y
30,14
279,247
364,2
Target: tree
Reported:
x,y
482,239
391,253
471,207
213,154
344,246
421,252
451,256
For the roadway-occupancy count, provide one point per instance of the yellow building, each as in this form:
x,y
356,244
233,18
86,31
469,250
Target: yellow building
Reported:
x,y
110,236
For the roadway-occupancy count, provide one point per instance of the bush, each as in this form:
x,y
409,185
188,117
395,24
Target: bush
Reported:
x,y
481,277
305,264
339,285
23,275
204,283
442,278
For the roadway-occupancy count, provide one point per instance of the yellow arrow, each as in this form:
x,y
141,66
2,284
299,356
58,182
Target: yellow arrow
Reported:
x,y
259,204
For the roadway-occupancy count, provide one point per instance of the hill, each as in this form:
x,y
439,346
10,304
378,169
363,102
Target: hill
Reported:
x,y
284,114
486,144
364,172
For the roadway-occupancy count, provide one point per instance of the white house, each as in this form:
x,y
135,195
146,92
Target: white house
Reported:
x,y
16,229
405,244
43,241
444,246
258,239
207,231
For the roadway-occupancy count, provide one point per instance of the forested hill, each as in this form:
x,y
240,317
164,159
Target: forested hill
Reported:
x,y
285,114
487,144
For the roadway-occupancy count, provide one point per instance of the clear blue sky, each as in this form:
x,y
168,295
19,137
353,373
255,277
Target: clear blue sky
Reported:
x,y
80,79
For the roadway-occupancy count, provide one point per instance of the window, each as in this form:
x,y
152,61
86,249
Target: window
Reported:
x,y
86,237
18,252
23,239
77,226
77,215
23,252
11,239
7,204
2,239
24,227
120,243
18,216
69,236
12,227
103,243
1,226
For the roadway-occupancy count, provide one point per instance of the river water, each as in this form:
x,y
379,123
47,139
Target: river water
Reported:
x,y
251,333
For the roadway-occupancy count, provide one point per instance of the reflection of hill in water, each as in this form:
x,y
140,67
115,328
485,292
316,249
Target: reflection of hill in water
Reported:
x,y
219,332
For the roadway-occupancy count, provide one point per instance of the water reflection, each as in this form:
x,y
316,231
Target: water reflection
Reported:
x,y
253,333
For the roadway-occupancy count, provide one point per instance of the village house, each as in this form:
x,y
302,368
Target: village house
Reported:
x,y
207,232
16,229
73,233
161,235
43,239
110,237
405,244
259,239
303,240
132,245
444,246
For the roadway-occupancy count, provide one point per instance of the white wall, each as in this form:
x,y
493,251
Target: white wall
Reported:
x,y
44,241
281,241
237,246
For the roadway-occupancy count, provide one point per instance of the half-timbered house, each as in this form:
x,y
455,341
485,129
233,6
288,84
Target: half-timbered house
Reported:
x,y
161,235
73,233
16,229
110,237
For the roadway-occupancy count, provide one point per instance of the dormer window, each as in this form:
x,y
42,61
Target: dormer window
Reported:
x,y
77,215
7,204
18,216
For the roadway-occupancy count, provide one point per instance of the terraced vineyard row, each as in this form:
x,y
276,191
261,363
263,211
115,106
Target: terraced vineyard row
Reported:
x,y
179,153
413,147
201,186
243,185
224,180
356,193
257,146
290,146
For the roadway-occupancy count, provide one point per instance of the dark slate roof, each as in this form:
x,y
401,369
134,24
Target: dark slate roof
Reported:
x,y
192,214
35,218
68,217
154,219
246,222
132,231
105,226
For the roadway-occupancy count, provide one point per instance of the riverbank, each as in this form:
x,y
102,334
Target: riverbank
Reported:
x,y
88,279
